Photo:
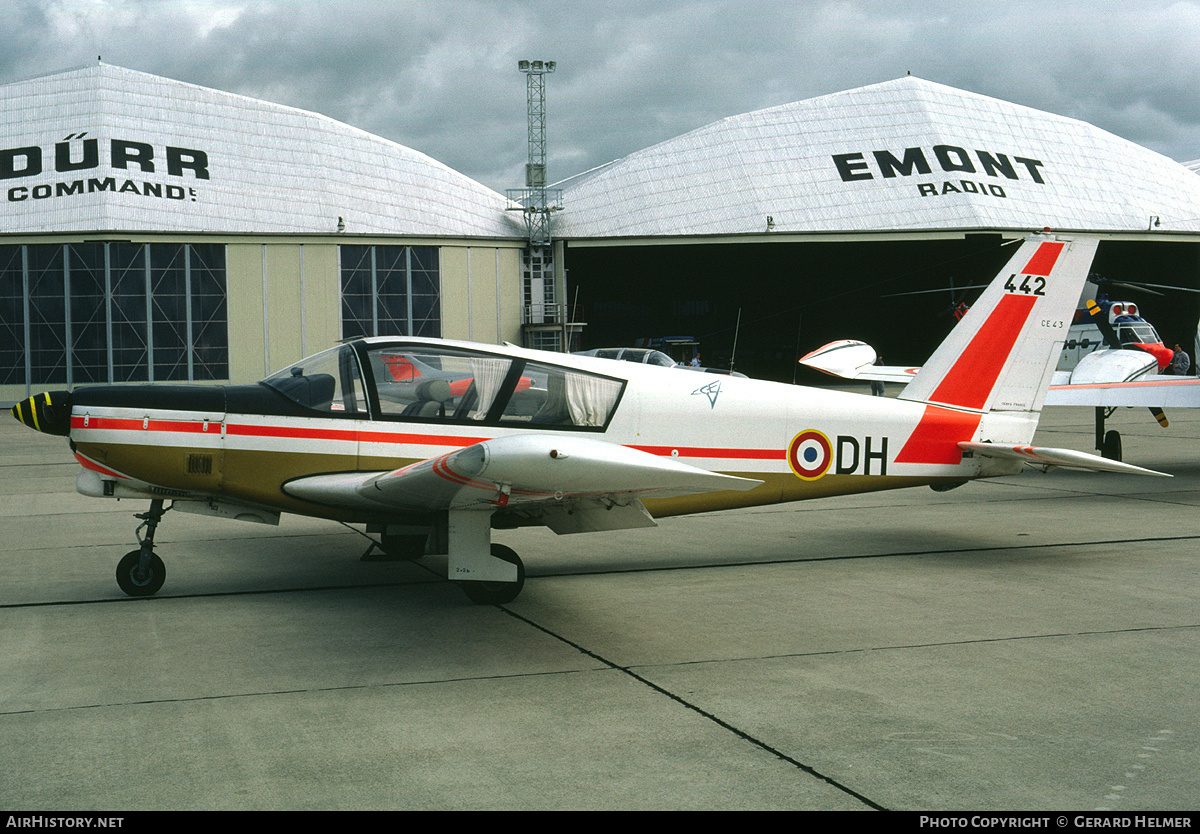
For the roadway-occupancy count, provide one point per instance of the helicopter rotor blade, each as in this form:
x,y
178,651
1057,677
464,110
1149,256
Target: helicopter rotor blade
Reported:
x,y
943,289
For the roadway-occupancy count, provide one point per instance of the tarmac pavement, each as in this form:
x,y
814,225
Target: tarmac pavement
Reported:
x,y
1026,643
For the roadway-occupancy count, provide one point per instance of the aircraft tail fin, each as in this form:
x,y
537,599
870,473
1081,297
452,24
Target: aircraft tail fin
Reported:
x,y
1002,354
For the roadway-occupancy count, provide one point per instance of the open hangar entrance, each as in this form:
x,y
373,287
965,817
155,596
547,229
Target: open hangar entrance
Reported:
x,y
761,305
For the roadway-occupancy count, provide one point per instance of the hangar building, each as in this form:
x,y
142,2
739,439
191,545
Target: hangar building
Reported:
x,y
782,228
160,231
155,230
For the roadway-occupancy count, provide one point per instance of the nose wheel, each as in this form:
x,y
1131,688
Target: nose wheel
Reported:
x,y
140,573
140,580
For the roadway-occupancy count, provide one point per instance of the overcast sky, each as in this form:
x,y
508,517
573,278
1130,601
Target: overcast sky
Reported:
x,y
441,77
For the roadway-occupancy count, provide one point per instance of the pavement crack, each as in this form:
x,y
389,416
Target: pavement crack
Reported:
x,y
725,725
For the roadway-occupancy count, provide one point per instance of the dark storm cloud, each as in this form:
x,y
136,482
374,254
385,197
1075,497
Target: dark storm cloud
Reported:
x,y
441,77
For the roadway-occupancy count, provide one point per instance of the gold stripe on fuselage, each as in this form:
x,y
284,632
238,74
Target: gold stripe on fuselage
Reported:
x,y
257,476
251,475
780,488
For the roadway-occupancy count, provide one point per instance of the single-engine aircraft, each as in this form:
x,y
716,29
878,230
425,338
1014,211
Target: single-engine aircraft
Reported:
x,y
1112,358
433,443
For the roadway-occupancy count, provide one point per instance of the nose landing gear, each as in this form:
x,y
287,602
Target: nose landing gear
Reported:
x,y
140,573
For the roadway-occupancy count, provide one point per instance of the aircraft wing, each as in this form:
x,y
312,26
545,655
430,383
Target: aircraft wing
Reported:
x,y
1046,457
1152,391
852,359
572,484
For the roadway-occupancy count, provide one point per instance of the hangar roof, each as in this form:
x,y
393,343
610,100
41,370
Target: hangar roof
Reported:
x,y
109,149
907,154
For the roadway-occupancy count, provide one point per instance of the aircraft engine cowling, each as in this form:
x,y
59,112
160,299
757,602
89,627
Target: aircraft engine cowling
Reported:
x,y
49,413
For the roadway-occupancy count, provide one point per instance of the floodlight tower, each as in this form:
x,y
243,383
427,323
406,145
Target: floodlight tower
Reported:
x,y
536,200
544,321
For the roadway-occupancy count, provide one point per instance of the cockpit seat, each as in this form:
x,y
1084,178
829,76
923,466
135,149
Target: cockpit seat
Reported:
x,y
432,395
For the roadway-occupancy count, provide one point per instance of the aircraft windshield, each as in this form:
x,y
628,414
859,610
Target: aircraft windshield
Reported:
x,y
443,384
1142,333
328,382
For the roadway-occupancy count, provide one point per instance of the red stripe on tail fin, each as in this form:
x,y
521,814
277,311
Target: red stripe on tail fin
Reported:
x,y
1043,260
974,374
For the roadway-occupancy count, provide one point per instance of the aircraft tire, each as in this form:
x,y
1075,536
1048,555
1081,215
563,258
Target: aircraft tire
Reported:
x,y
140,585
497,593
1112,445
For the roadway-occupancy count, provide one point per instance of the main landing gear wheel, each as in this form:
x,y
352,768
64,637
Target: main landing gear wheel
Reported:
x,y
497,593
1112,445
138,581
1108,443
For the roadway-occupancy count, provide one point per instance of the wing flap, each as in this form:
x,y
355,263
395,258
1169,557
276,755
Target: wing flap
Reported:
x,y
594,515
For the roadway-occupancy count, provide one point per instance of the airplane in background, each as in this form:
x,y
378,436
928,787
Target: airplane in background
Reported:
x,y
1112,358
521,437
650,356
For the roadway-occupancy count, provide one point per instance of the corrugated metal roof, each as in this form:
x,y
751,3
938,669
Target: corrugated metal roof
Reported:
x,y
105,148
907,154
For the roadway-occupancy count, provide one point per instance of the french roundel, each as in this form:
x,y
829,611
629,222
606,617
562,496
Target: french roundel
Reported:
x,y
809,454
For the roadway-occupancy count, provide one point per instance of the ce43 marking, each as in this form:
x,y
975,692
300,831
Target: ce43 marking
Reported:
x,y
1038,287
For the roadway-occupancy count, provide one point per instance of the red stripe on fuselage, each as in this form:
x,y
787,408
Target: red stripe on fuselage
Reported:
x,y
936,437
712,452
133,424
284,432
88,463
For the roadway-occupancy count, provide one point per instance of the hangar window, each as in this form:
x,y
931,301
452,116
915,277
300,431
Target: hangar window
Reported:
x,y
390,291
112,311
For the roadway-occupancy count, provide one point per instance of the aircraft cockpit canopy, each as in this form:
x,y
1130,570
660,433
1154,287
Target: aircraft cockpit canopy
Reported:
x,y
1137,333
327,382
423,382
646,356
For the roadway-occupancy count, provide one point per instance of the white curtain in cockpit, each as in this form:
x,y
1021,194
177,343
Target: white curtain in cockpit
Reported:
x,y
590,399
489,375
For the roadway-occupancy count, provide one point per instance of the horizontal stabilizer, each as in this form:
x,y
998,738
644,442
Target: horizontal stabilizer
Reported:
x,y
1047,457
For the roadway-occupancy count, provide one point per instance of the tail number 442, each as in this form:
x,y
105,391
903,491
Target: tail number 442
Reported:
x,y
1031,285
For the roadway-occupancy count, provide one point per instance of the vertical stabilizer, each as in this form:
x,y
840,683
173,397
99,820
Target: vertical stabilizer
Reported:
x,y
1002,354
